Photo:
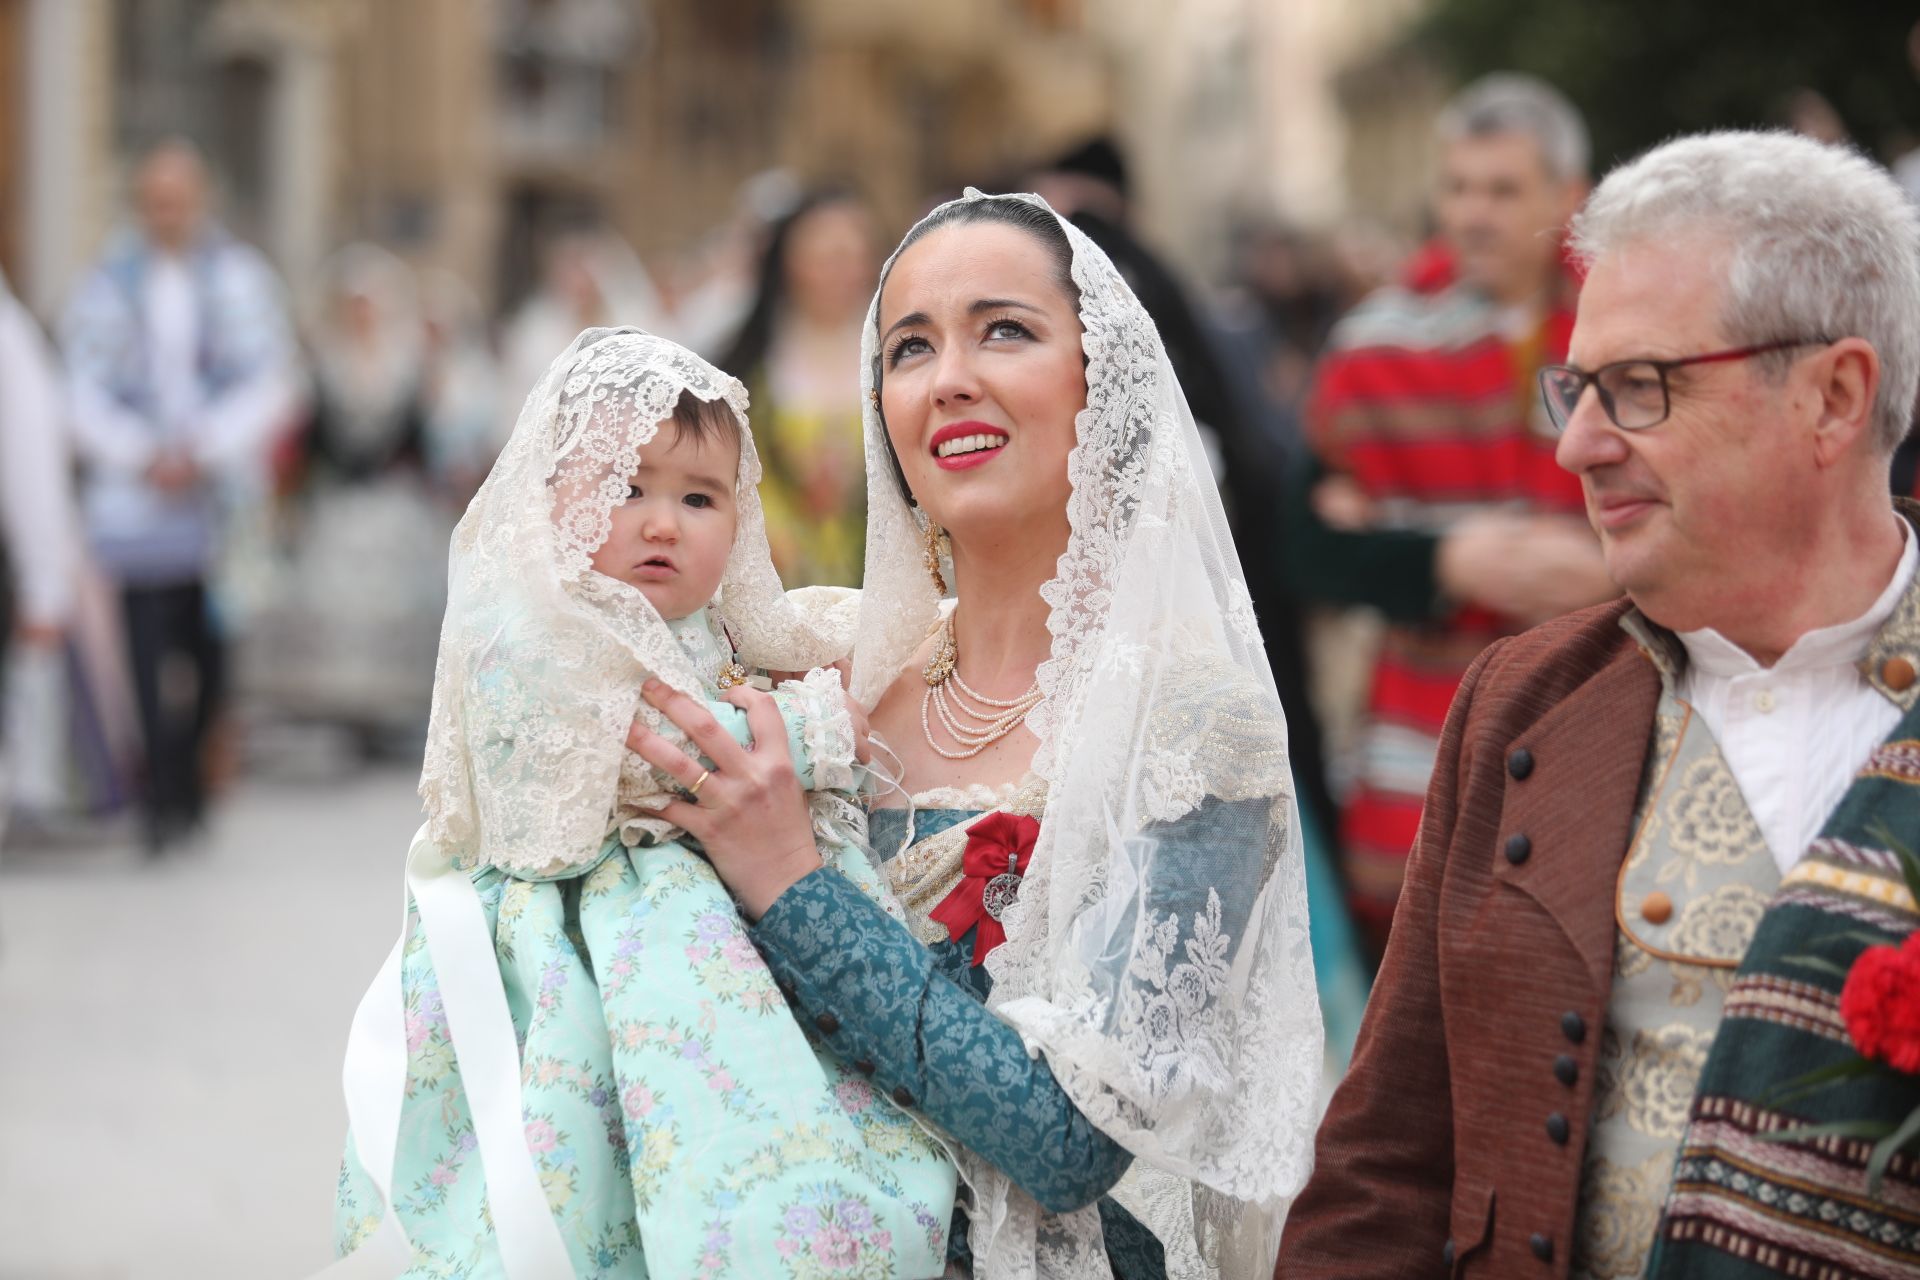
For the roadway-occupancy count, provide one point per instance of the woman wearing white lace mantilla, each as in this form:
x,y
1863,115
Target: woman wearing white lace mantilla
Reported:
x,y
1102,847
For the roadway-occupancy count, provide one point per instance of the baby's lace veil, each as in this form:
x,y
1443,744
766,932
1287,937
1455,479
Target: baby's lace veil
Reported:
x,y
541,658
1158,955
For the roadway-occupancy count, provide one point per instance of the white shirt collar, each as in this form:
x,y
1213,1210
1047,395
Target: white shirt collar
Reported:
x,y
1841,644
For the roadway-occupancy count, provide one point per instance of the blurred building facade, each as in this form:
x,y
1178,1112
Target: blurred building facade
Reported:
x,y
460,131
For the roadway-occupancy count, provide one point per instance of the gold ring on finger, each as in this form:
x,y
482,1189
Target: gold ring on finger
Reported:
x,y
693,792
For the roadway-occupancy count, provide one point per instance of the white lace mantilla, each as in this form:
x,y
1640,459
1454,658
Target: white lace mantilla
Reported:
x,y
541,658
1158,954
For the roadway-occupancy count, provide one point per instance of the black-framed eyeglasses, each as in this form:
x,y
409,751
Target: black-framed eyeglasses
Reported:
x,y
1634,392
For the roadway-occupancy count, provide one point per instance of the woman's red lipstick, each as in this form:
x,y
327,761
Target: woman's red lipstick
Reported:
x,y
973,457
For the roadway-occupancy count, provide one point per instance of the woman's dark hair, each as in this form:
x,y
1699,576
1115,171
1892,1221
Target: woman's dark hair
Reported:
x,y
754,338
1036,220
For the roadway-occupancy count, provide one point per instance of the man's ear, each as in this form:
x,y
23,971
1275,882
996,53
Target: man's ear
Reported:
x,y
1848,382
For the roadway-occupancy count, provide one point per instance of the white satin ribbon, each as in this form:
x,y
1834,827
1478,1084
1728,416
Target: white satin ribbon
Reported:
x,y
374,1080
488,1053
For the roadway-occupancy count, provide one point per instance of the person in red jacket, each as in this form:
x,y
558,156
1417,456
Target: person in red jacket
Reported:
x,y
1434,496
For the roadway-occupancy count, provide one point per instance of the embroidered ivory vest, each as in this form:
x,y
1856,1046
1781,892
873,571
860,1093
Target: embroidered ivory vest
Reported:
x,y
1690,894
1745,1198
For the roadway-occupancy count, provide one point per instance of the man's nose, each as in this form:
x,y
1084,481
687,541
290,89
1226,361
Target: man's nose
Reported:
x,y
1589,439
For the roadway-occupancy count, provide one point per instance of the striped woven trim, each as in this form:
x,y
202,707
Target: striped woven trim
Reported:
x,y
1853,871
1743,1231
1846,854
1799,1208
1801,1005
1832,1168
1894,922
1897,761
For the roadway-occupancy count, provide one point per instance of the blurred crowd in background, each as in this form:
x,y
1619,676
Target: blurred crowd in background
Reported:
x,y
268,348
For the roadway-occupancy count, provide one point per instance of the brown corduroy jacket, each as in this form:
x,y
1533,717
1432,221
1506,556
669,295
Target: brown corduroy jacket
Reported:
x,y
1454,1145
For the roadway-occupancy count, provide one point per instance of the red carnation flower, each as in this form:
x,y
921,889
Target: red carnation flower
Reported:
x,y
1881,1003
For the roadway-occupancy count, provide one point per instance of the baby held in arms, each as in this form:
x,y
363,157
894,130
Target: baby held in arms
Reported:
x,y
673,1118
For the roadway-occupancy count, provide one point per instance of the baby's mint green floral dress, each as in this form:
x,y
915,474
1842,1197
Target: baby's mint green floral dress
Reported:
x,y
683,1123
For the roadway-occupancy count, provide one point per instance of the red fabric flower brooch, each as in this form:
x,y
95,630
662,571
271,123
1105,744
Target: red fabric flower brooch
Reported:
x,y
999,846
1881,1003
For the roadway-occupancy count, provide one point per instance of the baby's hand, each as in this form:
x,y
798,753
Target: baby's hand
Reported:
x,y
862,748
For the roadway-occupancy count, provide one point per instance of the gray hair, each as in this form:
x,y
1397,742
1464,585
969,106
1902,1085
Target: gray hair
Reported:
x,y
1509,102
1823,243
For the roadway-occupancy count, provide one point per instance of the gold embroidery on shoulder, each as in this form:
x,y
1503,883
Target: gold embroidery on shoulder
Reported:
x,y
926,872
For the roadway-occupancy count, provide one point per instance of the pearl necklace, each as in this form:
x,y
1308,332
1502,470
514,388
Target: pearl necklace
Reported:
x,y
971,719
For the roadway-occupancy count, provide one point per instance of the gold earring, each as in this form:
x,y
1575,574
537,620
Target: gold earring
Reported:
x,y
873,397
933,557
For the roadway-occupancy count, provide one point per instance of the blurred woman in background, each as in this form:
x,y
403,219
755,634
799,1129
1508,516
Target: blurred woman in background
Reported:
x,y
588,279
798,352
459,386
349,638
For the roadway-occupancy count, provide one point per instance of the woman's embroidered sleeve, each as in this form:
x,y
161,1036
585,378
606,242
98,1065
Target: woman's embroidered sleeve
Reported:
x,y
879,999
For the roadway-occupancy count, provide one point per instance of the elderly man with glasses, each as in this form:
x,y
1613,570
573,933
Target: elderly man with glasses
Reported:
x,y
1663,831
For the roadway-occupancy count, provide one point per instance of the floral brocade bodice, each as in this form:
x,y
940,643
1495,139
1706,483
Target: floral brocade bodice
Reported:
x,y
1691,892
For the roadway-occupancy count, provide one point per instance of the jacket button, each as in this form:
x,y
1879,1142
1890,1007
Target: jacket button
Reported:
x,y
1898,673
1656,908
1520,764
1573,1026
864,1066
827,1023
903,1096
1566,1070
1542,1246
1557,1129
1518,847
1446,1254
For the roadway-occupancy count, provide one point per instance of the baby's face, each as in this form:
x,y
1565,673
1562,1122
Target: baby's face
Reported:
x,y
672,535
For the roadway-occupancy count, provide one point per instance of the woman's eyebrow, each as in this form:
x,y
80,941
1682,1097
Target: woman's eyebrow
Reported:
x,y
1001,304
911,318
974,308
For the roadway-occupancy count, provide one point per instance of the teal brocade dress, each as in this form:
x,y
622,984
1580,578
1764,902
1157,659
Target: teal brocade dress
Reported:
x,y
966,1070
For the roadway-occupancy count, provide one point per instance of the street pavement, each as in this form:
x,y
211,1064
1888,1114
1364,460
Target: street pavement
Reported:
x,y
171,1033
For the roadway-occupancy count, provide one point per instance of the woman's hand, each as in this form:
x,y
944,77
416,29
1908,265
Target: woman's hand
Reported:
x,y
749,812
